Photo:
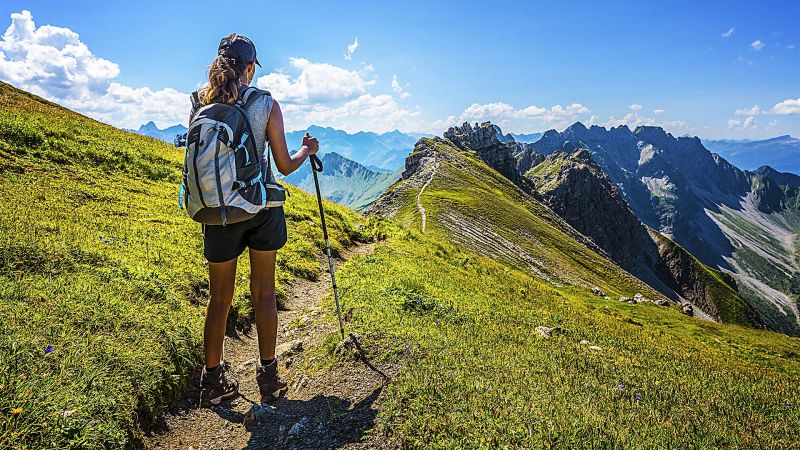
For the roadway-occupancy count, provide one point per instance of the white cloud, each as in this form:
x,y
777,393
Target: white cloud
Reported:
x,y
787,107
729,33
754,111
791,46
635,107
658,111
398,89
351,48
509,118
747,124
631,120
757,45
327,95
315,83
379,113
52,62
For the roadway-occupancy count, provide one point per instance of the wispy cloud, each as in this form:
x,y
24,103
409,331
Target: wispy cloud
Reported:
x,y
729,33
757,45
398,89
635,107
351,49
754,111
746,124
658,111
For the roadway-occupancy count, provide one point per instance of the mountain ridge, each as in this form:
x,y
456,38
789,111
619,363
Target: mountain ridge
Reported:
x,y
714,210
344,181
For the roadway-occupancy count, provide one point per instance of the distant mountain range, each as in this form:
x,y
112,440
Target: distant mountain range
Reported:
x,y
379,152
782,153
527,138
167,134
385,151
344,181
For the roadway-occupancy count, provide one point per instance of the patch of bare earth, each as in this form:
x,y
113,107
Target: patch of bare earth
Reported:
x,y
324,409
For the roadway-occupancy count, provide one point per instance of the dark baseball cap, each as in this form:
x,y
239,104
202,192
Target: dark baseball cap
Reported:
x,y
238,47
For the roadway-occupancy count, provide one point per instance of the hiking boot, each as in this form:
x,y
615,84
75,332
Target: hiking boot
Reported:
x,y
217,386
270,385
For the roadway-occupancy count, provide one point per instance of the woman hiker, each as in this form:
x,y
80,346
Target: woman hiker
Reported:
x,y
230,74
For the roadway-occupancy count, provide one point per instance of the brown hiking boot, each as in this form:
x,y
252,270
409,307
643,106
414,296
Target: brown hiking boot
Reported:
x,y
217,386
270,385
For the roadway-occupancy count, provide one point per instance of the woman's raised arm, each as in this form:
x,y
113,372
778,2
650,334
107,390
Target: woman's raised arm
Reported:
x,y
285,162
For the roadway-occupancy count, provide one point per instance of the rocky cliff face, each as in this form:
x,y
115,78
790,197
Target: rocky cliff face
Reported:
x,y
574,186
714,292
499,151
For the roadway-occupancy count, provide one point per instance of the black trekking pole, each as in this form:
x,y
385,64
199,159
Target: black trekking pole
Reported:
x,y
316,166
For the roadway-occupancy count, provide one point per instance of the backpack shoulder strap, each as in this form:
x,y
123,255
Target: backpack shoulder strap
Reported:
x,y
196,104
250,95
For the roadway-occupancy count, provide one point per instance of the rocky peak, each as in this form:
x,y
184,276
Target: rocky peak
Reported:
x,y
498,151
149,126
475,137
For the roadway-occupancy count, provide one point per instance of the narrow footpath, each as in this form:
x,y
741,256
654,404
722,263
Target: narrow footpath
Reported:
x,y
419,197
329,409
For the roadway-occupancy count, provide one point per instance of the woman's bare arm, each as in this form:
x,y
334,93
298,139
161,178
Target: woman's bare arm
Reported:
x,y
285,162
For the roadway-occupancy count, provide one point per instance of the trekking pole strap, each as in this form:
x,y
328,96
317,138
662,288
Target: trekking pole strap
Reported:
x,y
316,163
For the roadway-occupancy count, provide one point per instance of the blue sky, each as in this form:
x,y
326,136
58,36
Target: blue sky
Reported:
x,y
728,69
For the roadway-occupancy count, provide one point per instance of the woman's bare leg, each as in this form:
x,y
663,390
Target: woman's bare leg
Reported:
x,y
262,290
222,279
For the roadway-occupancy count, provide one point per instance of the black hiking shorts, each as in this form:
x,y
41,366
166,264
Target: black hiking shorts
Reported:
x,y
264,231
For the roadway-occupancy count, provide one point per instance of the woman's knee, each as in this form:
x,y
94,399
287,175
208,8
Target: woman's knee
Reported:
x,y
262,296
221,298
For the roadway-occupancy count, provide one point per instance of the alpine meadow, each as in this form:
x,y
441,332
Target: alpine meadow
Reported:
x,y
619,269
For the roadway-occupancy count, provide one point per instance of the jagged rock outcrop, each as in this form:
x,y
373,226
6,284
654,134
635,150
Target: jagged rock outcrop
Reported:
x,y
499,151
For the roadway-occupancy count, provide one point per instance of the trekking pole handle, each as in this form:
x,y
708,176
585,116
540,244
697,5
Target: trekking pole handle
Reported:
x,y
316,163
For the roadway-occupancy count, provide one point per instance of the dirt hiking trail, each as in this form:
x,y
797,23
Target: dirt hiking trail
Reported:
x,y
331,409
419,197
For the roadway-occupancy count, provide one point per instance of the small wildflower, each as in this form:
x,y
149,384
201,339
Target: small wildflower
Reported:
x,y
48,349
637,398
788,404
16,411
621,387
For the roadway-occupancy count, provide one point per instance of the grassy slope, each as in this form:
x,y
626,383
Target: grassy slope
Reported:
x,y
479,194
474,374
97,260
731,306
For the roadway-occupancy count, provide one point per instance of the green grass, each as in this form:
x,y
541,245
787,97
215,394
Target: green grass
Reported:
x,y
473,374
97,261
